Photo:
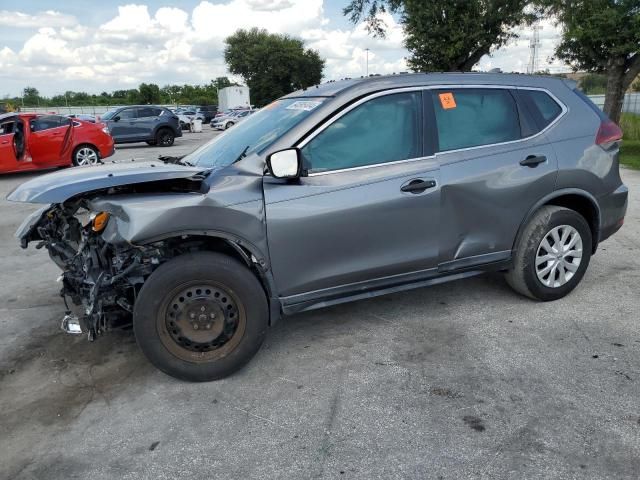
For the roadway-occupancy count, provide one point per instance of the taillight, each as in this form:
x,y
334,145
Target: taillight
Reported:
x,y
608,132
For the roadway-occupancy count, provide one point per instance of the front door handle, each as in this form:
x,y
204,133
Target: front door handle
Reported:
x,y
533,161
417,185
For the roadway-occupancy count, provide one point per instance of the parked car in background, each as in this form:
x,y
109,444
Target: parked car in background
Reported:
x,y
228,121
31,142
143,123
207,112
350,190
83,117
185,117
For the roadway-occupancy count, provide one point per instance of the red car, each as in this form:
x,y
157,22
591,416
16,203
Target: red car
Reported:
x,y
30,142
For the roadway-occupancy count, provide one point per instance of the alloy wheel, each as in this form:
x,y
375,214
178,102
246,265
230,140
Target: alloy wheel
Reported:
x,y
86,156
558,256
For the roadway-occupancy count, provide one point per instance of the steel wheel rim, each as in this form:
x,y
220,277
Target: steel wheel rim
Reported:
x,y
86,156
201,321
559,256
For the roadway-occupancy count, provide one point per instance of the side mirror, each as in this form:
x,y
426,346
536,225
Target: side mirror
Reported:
x,y
116,118
285,163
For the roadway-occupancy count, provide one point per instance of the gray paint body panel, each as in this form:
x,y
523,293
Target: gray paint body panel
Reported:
x,y
346,235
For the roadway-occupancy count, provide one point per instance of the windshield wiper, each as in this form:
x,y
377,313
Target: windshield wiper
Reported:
x,y
242,154
177,160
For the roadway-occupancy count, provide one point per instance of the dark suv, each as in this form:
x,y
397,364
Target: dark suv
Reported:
x,y
144,123
340,192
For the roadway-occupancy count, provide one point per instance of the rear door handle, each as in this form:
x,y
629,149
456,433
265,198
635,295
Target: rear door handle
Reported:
x,y
417,185
533,161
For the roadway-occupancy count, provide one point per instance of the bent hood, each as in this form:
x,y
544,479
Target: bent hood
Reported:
x,y
60,186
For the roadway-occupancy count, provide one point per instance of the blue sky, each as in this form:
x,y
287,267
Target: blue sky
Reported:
x,y
111,44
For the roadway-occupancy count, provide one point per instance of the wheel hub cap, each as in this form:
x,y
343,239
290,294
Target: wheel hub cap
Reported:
x,y
201,318
559,256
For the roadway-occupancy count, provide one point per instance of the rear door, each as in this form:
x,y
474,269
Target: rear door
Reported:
x,y
495,165
147,121
367,214
48,138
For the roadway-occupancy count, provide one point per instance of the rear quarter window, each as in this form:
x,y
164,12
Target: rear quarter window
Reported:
x,y
544,108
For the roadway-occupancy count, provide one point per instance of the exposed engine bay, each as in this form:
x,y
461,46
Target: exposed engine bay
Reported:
x,y
101,278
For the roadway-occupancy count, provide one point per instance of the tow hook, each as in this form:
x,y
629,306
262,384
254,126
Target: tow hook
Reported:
x,y
71,324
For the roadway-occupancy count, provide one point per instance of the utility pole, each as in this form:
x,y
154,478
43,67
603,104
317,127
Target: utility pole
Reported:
x,y
534,48
367,50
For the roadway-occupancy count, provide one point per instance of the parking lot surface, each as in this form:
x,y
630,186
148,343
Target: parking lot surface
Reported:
x,y
460,380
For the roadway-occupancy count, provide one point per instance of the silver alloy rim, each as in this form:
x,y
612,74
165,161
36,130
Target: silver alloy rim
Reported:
x,y
86,156
559,256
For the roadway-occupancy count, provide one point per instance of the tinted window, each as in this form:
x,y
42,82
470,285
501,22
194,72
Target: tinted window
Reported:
x,y
545,106
472,116
48,121
384,129
149,112
127,114
6,128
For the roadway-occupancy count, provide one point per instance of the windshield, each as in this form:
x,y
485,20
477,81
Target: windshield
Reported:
x,y
108,115
254,133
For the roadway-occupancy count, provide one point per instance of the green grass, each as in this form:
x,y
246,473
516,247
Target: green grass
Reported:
x,y
630,151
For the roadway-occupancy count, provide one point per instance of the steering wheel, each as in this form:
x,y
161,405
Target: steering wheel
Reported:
x,y
18,142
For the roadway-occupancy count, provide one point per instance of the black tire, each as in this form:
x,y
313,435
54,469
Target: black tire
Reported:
x,y
228,125
165,137
157,308
523,277
85,155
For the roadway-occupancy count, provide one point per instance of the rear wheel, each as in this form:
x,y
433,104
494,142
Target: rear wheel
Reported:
x,y
165,137
86,155
200,316
552,254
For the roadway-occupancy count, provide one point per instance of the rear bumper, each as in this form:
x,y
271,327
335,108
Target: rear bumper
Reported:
x,y
613,208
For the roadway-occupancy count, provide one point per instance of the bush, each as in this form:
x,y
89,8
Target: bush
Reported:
x,y
630,124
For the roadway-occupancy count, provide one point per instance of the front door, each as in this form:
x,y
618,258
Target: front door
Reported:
x,y
124,129
495,165
367,214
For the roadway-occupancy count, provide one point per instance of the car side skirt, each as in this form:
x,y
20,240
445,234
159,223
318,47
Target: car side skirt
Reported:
x,y
446,272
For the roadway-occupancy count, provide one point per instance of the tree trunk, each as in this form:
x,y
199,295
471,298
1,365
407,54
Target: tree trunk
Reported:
x,y
614,96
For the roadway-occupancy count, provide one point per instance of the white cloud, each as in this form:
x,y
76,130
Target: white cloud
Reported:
x,y
172,45
50,18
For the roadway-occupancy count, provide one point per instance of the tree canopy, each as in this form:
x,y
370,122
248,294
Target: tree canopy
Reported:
x,y
272,65
446,35
601,36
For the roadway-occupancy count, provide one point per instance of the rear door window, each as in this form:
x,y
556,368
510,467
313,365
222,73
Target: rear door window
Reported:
x,y
149,112
472,117
47,122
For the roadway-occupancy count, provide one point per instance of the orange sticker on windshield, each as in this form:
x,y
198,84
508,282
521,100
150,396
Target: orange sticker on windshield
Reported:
x,y
447,101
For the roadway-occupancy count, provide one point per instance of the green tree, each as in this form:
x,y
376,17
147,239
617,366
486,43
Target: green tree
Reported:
x,y
31,96
602,36
593,83
149,93
272,65
447,35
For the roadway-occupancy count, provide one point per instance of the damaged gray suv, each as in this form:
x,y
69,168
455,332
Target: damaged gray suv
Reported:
x,y
340,192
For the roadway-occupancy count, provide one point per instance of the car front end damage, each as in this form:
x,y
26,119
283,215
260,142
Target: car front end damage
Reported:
x,y
100,277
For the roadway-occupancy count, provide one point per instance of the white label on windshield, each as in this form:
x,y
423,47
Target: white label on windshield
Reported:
x,y
303,105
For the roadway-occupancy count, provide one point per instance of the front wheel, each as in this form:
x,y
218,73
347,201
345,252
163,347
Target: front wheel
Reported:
x,y
552,255
200,317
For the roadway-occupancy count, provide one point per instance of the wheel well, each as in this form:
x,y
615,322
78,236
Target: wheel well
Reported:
x,y
585,207
193,243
